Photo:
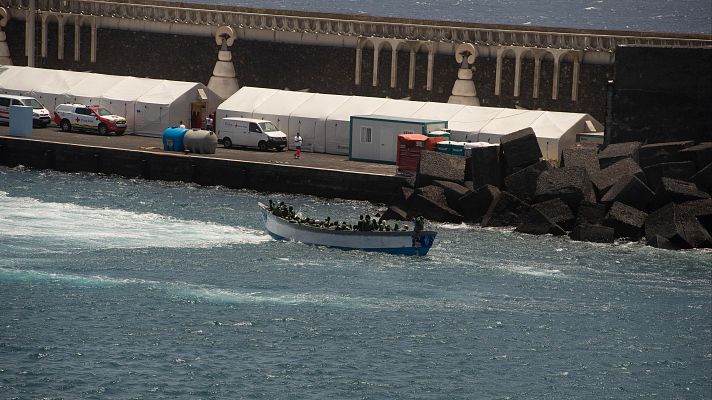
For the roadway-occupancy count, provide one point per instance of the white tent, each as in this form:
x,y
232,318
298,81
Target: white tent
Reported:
x,y
90,89
337,123
156,110
466,125
8,83
439,111
278,108
121,99
243,102
507,121
149,105
556,131
293,111
309,119
50,89
399,108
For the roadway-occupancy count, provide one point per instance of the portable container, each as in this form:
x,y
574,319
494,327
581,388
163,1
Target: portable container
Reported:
x,y
200,141
374,137
443,147
457,148
445,135
173,139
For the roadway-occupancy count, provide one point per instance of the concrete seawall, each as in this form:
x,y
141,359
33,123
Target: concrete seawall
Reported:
x,y
202,170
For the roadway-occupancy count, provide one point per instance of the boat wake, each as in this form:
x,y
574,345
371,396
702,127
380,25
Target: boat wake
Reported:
x,y
66,225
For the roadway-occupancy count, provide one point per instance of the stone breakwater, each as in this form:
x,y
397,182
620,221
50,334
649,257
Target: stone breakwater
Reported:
x,y
659,192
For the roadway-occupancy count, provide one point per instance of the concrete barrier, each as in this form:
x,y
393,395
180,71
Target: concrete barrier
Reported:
x,y
207,171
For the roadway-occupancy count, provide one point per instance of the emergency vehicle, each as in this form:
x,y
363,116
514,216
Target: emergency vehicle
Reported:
x,y
90,118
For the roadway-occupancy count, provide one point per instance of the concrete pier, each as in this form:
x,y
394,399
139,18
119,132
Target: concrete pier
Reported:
x,y
322,175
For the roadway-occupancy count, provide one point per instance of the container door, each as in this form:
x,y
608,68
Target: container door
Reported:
x,y
387,150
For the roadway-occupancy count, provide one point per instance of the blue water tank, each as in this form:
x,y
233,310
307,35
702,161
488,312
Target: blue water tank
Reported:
x,y
173,139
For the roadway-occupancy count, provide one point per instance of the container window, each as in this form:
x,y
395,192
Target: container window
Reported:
x,y
408,132
366,134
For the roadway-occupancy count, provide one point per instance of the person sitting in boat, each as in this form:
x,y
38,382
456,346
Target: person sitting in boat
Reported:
x,y
359,224
368,224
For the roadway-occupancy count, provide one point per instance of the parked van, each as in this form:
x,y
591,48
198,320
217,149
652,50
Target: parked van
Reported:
x,y
248,132
40,115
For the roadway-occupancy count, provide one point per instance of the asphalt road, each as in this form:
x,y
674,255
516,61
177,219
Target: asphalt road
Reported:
x,y
155,144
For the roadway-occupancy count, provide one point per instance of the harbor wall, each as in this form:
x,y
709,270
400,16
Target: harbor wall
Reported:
x,y
202,170
321,69
659,94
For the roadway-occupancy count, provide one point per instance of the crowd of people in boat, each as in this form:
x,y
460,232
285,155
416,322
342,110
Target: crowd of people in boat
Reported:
x,y
364,224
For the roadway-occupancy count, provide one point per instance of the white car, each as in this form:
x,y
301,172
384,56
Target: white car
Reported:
x,y
40,115
90,118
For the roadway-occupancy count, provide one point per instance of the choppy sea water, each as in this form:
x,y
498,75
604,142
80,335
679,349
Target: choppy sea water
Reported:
x,y
682,16
117,288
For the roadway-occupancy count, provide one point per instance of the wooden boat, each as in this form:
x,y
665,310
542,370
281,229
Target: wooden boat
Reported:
x,y
394,242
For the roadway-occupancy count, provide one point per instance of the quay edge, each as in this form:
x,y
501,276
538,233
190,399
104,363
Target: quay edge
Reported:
x,y
199,169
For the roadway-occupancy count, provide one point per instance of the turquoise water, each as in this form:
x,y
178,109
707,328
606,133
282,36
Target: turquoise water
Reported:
x,y
116,288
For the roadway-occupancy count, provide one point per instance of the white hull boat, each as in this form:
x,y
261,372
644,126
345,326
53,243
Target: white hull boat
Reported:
x,y
394,242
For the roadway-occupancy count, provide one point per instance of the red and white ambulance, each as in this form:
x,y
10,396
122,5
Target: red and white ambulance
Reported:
x,y
90,118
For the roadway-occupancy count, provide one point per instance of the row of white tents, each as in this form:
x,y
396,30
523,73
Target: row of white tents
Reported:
x,y
323,119
149,105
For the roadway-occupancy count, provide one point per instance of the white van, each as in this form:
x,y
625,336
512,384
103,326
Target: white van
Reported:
x,y
40,115
247,132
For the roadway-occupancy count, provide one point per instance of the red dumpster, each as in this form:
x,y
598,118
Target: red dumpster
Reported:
x,y
409,147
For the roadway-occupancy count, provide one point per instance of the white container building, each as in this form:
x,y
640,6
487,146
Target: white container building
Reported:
x,y
375,137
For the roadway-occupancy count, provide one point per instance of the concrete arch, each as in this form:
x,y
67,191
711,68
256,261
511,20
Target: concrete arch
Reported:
x,y
502,52
394,45
556,54
575,57
79,21
47,18
524,54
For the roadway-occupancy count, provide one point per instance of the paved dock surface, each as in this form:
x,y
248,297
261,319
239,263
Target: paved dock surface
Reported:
x,y
155,144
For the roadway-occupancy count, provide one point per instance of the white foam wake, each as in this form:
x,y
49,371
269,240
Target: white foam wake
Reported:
x,y
74,226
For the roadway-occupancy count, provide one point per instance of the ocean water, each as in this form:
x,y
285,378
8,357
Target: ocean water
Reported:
x,y
681,16
118,288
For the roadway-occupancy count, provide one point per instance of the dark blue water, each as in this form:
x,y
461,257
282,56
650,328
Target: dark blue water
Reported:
x,y
115,288
682,16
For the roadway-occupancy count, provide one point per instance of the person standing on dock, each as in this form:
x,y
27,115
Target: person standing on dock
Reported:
x,y
298,146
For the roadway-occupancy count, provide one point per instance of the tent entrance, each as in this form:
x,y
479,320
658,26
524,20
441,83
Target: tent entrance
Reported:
x,y
198,112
